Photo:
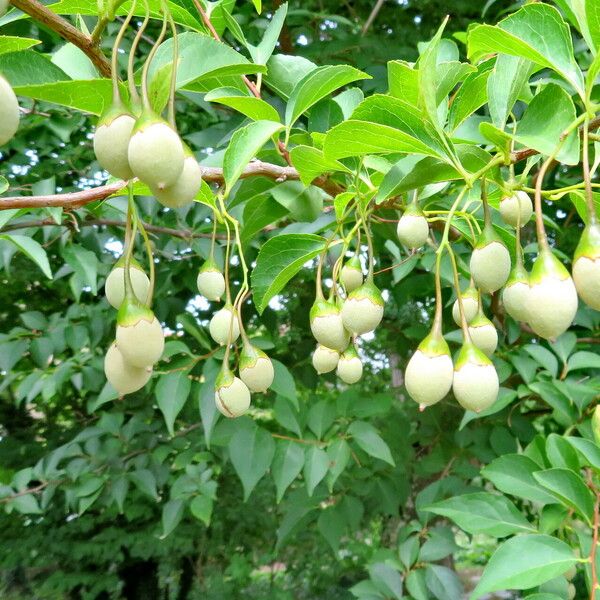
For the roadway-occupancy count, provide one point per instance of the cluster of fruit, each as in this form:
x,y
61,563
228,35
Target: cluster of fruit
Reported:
x,y
9,111
545,300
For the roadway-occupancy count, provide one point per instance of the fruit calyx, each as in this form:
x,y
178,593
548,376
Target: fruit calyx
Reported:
x,y
117,109
434,345
547,265
589,243
132,312
469,353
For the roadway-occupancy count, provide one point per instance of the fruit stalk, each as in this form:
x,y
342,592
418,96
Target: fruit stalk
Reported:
x,y
115,54
134,97
173,85
589,198
149,59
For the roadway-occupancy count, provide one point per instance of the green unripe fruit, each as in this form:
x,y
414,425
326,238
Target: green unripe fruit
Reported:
x,y
596,424
327,326
256,369
470,302
490,262
515,295
125,378
363,309
324,359
9,112
586,266
413,229
351,275
349,368
210,281
224,326
552,300
571,591
517,208
483,334
475,383
232,396
111,141
155,152
187,186
114,288
140,337
429,373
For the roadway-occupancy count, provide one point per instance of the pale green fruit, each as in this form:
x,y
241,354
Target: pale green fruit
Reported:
x,y
413,230
596,423
111,144
475,383
211,283
349,368
429,373
351,275
362,311
571,591
155,153
232,397
9,111
515,298
324,359
470,301
224,326
570,574
184,190
484,335
490,266
3,7
141,343
327,326
552,300
512,206
125,378
256,369
114,288
586,266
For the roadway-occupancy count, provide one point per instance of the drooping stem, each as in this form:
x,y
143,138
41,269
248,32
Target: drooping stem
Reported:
x,y
371,257
539,215
437,319
151,54
151,269
131,218
227,253
463,319
173,86
487,217
213,238
589,197
133,93
115,54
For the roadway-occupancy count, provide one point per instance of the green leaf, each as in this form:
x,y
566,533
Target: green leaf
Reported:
x,y
592,17
201,507
513,474
541,558
403,81
416,585
560,453
536,32
316,464
338,453
261,53
387,579
570,489
11,43
259,212
287,464
443,583
172,391
30,68
588,449
145,481
283,383
544,357
32,250
536,131
450,74
206,399
316,85
284,72
368,438
279,259
331,524
471,95
26,504
505,85
84,263
243,147
583,360
358,138
311,162
257,5
251,450
171,516
321,417
253,108
482,512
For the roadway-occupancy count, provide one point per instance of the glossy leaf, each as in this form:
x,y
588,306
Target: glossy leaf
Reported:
x,y
31,249
172,391
368,438
287,464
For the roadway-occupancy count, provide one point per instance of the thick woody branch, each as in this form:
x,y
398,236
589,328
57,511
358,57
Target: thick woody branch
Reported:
x,y
61,26
78,199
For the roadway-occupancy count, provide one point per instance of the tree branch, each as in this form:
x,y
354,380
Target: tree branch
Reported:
x,y
372,17
78,199
67,31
